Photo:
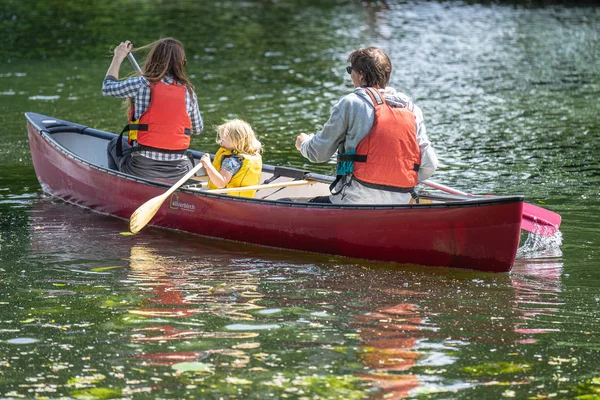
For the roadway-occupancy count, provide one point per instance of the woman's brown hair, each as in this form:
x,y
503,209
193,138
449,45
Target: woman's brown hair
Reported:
x,y
166,57
374,64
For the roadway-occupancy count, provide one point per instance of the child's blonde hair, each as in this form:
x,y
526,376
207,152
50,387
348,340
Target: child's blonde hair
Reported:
x,y
241,135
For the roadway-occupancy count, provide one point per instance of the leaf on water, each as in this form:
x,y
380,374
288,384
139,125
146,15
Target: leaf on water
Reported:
x,y
126,233
498,368
102,269
97,393
86,380
143,371
560,360
27,321
431,371
238,381
192,367
346,387
252,345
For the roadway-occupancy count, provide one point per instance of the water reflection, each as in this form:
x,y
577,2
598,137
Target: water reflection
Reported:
x,y
537,284
389,345
177,291
200,313
510,96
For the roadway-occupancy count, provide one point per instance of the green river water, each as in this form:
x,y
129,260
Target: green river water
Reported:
x,y
510,92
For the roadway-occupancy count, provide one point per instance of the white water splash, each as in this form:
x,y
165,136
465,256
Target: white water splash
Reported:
x,y
536,246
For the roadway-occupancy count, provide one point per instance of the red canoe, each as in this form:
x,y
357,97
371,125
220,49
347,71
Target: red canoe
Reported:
x,y
443,230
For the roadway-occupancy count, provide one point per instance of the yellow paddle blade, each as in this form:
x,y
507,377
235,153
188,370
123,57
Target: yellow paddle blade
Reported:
x,y
145,212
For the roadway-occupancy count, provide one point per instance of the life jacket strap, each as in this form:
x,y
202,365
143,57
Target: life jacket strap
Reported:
x,y
385,187
375,95
127,128
352,157
135,127
345,162
334,183
415,195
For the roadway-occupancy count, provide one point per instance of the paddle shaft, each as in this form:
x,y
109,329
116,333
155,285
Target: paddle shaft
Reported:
x,y
262,187
535,219
134,63
443,188
183,180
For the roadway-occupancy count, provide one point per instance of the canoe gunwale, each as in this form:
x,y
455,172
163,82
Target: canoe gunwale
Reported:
x,y
66,126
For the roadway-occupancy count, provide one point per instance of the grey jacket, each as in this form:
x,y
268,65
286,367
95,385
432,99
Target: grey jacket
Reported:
x,y
350,121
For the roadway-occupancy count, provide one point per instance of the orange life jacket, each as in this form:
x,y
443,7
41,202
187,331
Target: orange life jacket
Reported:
x,y
389,155
165,124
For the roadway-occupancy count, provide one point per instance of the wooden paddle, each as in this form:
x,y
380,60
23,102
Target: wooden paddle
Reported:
x,y
146,211
534,219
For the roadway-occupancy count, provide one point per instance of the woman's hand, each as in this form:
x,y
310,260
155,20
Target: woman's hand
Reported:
x,y
122,50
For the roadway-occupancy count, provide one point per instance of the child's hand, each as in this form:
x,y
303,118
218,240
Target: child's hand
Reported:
x,y
205,160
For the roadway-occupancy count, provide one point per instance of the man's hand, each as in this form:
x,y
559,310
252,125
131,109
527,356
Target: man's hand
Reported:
x,y
301,138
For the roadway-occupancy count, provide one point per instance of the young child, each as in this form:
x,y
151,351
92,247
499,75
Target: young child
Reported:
x,y
238,162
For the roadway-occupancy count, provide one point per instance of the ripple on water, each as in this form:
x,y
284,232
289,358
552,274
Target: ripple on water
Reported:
x,y
22,340
270,311
249,327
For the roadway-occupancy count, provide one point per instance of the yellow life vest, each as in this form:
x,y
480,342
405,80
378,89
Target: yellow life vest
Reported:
x,y
248,175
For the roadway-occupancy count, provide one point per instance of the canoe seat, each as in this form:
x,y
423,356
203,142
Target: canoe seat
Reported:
x,y
286,172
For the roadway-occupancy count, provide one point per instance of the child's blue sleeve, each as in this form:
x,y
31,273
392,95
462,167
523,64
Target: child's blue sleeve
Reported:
x,y
231,165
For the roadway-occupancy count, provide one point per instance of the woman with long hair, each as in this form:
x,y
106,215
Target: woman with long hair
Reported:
x,y
163,113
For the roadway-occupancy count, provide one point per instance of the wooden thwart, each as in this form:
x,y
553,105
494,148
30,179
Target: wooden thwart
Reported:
x,y
262,187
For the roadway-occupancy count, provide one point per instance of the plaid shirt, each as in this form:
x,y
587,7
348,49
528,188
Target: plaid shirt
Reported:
x,y
138,87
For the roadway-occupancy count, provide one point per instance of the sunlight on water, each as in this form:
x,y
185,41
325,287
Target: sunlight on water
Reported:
x,y
509,94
